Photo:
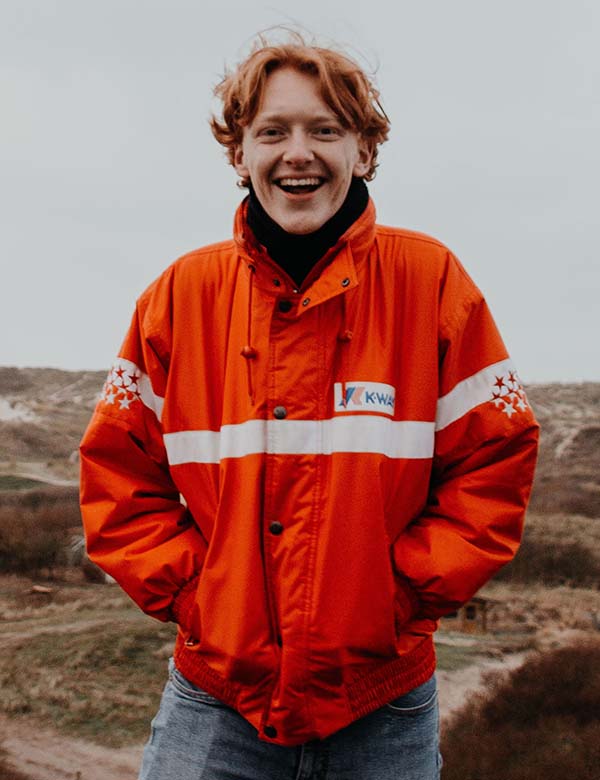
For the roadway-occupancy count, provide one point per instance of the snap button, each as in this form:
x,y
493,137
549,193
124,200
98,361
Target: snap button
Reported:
x,y
306,301
270,731
280,412
284,306
191,642
276,528
276,282
345,282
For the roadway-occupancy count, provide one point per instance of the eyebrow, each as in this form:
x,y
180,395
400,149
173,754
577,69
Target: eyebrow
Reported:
x,y
278,117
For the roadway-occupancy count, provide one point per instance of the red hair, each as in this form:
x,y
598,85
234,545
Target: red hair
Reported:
x,y
344,87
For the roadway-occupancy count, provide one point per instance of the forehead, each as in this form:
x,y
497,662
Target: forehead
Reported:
x,y
288,90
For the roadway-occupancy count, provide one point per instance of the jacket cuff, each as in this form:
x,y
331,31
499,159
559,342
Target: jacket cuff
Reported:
x,y
183,602
407,603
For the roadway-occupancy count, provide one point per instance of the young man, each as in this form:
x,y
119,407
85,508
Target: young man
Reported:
x,y
311,446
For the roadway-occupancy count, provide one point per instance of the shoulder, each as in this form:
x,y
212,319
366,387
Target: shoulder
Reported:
x,y
198,265
413,238
415,252
204,260
184,286
426,262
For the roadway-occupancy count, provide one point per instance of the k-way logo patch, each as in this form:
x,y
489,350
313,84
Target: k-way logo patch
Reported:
x,y
364,397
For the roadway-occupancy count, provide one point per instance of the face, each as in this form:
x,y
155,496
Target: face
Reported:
x,y
297,155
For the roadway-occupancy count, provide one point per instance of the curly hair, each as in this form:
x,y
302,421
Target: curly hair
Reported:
x,y
344,87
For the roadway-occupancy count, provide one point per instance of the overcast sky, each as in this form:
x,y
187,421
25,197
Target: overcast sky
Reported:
x,y
108,171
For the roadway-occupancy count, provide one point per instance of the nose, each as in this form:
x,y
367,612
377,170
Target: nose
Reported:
x,y
298,149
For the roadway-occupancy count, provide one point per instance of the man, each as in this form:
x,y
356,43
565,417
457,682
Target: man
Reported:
x,y
312,445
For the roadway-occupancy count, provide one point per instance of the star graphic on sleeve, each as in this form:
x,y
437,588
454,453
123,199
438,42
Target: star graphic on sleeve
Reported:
x,y
499,383
522,404
125,402
134,376
117,377
496,399
109,397
509,410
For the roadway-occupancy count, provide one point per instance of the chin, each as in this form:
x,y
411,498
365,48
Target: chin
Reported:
x,y
300,231
300,226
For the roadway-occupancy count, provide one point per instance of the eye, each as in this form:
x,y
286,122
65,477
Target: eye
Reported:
x,y
270,133
328,131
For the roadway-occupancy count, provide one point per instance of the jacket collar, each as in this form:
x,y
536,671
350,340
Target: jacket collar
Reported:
x,y
336,272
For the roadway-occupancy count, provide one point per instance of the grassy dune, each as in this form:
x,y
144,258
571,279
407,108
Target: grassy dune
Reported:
x,y
82,659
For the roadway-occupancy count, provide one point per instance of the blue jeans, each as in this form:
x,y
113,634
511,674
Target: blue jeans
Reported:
x,y
196,737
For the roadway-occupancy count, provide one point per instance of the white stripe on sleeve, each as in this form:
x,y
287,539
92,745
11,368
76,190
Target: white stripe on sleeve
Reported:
x,y
466,395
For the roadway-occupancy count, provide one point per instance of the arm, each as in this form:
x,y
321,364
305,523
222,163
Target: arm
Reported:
x,y
136,528
485,451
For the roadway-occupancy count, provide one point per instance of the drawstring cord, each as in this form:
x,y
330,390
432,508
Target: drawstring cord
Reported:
x,y
248,352
345,333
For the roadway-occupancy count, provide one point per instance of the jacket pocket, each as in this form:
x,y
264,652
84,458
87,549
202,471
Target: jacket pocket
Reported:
x,y
183,604
406,605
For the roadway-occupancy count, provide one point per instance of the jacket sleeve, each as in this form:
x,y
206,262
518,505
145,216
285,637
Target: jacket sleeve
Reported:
x,y
136,527
485,451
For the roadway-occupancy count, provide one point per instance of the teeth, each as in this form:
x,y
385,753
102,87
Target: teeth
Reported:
x,y
312,182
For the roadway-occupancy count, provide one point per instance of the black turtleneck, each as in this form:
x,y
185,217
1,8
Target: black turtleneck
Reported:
x,y
298,254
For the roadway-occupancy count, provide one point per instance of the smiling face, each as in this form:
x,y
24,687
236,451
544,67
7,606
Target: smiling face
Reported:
x,y
297,155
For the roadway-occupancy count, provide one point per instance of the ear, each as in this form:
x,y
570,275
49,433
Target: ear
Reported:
x,y
363,163
238,163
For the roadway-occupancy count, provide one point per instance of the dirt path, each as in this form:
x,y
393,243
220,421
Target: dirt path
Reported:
x,y
10,637
37,470
43,754
454,688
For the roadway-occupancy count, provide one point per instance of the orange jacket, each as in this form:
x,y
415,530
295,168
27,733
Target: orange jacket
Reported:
x,y
354,460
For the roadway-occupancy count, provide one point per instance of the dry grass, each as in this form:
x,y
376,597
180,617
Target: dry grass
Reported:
x,y
539,610
101,683
568,473
62,402
83,658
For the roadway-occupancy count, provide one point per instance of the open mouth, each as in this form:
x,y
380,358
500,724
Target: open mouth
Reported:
x,y
300,186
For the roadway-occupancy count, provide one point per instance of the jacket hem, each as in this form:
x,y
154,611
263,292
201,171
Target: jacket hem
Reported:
x,y
392,679
372,688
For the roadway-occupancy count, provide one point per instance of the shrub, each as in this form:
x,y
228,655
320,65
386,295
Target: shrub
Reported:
x,y
35,531
542,721
538,560
47,495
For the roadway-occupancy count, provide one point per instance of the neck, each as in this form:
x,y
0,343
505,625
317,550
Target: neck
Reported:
x,y
298,254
